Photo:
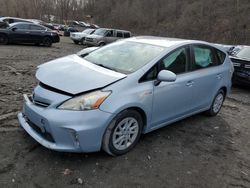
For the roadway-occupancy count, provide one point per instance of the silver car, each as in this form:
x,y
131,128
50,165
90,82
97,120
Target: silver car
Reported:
x,y
107,98
105,36
79,37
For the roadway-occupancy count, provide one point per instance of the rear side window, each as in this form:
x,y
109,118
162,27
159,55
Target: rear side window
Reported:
x,y
203,57
126,35
119,34
21,27
36,27
221,56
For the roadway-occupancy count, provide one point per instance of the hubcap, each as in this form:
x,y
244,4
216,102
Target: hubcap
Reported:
x,y
47,42
218,102
2,40
125,133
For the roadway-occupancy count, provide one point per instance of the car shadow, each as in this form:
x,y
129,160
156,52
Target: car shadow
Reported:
x,y
28,45
198,129
172,151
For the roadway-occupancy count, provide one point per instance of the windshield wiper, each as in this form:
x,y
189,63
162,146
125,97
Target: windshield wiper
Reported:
x,y
107,67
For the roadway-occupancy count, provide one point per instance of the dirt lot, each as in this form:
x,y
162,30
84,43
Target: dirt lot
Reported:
x,y
197,152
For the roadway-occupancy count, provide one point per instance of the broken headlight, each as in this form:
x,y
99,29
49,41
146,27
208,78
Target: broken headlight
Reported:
x,y
87,101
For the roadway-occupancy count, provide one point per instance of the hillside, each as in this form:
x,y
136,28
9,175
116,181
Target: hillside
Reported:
x,y
222,21
214,20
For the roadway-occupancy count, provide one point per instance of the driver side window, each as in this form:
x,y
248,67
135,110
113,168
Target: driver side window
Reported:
x,y
176,62
109,33
21,27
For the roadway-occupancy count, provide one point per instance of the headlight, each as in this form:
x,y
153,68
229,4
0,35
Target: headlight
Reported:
x,y
87,101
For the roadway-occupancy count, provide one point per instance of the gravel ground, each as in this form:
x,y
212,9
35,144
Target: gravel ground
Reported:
x,y
198,152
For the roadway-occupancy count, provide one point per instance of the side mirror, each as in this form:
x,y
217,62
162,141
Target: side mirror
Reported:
x,y
14,29
165,76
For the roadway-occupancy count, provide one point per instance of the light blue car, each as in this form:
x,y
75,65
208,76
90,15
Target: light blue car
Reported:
x,y
107,98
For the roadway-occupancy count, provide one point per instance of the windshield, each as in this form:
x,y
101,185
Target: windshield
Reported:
x,y
100,32
87,31
124,56
244,53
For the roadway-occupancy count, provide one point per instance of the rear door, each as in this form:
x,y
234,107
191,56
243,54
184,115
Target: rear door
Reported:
x,y
207,75
36,33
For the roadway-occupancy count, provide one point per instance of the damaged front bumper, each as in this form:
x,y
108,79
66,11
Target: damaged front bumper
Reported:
x,y
64,130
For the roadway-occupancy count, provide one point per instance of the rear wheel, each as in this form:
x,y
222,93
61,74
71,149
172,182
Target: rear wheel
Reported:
x,y
3,39
217,103
123,133
47,42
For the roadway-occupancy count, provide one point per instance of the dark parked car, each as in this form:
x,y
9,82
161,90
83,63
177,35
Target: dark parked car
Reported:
x,y
3,24
11,20
70,30
241,62
28,33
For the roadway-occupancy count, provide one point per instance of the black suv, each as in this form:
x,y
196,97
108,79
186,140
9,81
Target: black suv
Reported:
x,y
241,62
28,33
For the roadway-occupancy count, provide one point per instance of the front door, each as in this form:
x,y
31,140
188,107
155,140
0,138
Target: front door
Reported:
x,y
20,33
172,100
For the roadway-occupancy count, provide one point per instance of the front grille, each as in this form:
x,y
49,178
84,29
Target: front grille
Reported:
x,y
236,64
37,102
47,136
54,89
247,66
241,65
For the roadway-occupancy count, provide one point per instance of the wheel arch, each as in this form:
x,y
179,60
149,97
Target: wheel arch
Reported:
x,y
142,113
224,88
101,42
104,144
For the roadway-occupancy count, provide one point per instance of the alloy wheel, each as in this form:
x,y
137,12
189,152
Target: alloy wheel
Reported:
x,y
125,133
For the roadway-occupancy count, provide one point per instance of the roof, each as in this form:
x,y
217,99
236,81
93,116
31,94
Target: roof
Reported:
x,y
114,29
160,41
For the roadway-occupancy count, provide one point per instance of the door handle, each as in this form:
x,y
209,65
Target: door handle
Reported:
x,y
27,32
189,83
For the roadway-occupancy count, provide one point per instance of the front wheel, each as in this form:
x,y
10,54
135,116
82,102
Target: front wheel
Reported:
x,y
47,42
82,41
217,103
76,42
123,133
3,39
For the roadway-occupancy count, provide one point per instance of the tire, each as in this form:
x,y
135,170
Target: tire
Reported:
x,y
47,42
4,39
117,139
37,44
82,41
216,104
76,42
102,44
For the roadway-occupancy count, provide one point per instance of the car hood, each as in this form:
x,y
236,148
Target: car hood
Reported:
x,y
94,36
80,33
74,75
